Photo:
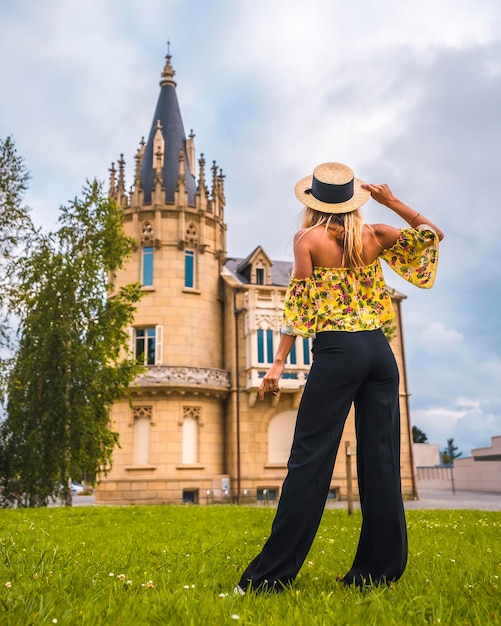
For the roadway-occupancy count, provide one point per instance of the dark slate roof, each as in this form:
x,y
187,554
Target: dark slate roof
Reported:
x,y
168,113
244,263
280,271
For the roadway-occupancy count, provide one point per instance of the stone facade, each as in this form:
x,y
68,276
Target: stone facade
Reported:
x,y
193,429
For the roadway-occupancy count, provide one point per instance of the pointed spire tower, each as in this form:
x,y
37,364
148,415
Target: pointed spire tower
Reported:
x,y
167,132
172,428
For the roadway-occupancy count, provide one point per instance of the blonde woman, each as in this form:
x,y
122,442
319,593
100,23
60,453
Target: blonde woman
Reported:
x,y
338,296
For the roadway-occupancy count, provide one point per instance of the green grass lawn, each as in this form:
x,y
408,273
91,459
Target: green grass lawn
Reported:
x,y
178,565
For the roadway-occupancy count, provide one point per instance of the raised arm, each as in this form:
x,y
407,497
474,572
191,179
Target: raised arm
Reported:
x,y
384,195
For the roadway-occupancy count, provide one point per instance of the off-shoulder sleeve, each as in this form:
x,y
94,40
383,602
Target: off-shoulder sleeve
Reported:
x,y
300,310
414,256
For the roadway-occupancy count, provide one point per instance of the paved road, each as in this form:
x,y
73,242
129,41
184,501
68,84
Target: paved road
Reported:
x,y
84,500
428,499
445,499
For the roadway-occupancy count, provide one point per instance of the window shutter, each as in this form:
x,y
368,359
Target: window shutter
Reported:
x,y
159,331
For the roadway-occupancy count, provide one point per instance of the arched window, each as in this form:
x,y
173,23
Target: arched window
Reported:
x,y
280,434
191,416
141,437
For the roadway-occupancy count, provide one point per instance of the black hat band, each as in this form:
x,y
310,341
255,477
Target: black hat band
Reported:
x,y
331,194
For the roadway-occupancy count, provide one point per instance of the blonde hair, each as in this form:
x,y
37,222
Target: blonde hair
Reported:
x,y
346,228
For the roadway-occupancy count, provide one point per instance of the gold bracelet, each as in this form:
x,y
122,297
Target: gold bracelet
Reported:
x,y
410,221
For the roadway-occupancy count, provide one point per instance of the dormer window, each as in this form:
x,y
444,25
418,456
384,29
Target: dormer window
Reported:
x,y
256,268
260,271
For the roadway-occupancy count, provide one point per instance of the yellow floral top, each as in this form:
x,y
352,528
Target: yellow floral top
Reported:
x,y
359,299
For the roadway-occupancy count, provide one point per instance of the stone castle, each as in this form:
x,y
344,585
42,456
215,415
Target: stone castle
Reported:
x,y
193,429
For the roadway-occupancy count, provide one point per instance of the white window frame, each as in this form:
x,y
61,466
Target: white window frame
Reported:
x,y
158,338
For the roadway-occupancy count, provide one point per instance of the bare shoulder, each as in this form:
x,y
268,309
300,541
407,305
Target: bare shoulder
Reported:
x,y
300,235
305,237
385,234
303,266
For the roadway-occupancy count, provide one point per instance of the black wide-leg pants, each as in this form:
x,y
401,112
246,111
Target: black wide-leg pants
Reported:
x,y
348,367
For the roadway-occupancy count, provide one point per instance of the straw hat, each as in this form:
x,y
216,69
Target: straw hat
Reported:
x,y
332,189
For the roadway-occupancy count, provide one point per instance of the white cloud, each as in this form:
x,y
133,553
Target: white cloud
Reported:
x,y
439,420
470,426
436,337
468,403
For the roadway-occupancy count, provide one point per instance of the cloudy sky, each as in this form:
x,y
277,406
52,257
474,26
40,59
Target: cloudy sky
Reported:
x,y
407,93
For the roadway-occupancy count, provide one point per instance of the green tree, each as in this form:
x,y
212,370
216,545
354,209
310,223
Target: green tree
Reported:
x,y
15,224
71,364
418,436
450,452
14,216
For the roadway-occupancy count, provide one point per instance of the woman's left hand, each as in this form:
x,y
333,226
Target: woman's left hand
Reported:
x,y
270,380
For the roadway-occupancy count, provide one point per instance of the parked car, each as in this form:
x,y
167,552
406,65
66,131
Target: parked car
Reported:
x,y
77,489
